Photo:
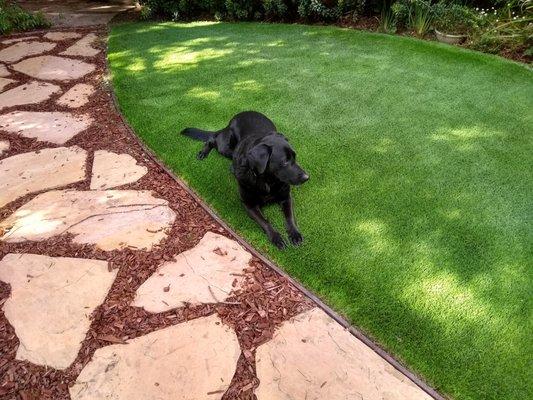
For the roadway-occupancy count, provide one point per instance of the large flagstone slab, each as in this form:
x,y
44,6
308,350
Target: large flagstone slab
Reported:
x,y
112,219
28,93
83,47
4,82
111,170
4,146
50,304
54,68
77,96
60,36
39,170
312,357
20,50
192,360
55,127
3,71
20,39
203,274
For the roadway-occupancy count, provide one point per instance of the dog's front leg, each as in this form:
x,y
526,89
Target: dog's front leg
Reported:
x,y
273,235
295,236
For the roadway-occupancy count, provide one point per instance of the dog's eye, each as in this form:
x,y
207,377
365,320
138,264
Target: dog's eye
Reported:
x,y
285,163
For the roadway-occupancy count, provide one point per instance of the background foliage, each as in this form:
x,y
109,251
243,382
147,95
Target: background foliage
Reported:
x,y
14,18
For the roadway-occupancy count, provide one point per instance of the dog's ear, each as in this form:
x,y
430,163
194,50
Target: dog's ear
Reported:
x,y
258,157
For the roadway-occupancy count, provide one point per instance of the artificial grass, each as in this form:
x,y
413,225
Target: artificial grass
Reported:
x,y
417,217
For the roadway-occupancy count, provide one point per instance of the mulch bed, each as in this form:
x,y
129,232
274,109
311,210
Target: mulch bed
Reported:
x,y
264,301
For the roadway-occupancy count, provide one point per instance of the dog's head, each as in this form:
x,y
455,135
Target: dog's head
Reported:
x,y
274,155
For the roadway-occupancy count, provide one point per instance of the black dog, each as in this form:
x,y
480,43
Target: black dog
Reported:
x,y
263,163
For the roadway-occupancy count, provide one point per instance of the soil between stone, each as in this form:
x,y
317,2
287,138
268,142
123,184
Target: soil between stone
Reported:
x,y
263,302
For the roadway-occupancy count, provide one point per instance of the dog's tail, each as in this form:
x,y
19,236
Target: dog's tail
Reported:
x,y
197,134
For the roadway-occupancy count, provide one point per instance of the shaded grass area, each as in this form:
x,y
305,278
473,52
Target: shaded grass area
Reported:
x,y
417,217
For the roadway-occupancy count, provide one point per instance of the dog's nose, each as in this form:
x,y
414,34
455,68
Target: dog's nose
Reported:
x,y
305,178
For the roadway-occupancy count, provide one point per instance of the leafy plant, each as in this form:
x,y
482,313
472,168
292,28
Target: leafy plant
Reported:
x,y
420,17
400,11
15,18
387,22
317,10
509,29
454,19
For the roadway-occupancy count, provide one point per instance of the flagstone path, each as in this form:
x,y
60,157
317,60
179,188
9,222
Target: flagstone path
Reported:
x,y
116,284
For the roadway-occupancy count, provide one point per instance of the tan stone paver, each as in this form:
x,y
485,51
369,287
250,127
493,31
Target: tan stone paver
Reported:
x,y
312,357
203,274
54,68
38,170
28,93
4,82
50,304
192,360
4,146
77,96
112,219
82,47
55,127
111,170
3,71
21,50
20,39
60,36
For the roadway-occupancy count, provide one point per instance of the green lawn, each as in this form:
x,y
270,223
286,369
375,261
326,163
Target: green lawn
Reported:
x,y
418,214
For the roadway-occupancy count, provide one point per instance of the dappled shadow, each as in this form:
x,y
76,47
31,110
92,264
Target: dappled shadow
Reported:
x,y
416,214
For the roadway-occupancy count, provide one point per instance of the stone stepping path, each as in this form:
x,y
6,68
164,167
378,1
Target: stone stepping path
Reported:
x,y
82,47
77,96
22,50
28,93
110,219
50,303
312,357
111,170
54,127
192,360
192,314
39,170
54,68
205,274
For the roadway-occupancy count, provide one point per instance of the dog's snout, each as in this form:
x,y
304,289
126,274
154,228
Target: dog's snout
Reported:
x,y
304,178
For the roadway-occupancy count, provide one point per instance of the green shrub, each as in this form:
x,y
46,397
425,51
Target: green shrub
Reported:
x,y
455,19
400,13
415,15
316,10
387,20
507,30
275,9
14,18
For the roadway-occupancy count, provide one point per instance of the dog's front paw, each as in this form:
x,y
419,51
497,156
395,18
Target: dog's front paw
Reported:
x,y
296,237
277,240
201,155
